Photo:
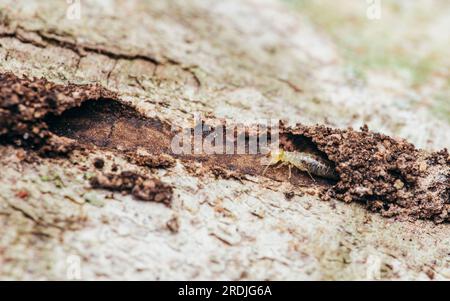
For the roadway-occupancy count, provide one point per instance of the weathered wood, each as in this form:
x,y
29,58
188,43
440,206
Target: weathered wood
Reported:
x,y
238,60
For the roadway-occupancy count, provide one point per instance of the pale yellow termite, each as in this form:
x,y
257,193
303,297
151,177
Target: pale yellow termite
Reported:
x,y
304,162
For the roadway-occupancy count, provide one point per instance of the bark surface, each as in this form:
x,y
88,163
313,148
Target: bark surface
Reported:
x,y
237,60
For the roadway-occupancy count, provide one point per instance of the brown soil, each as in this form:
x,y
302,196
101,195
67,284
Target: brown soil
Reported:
x,y
389,175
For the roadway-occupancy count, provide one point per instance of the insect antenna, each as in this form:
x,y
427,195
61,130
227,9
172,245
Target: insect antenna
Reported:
x,y
310,175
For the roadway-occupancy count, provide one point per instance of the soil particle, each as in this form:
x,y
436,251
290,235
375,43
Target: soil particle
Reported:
x,y
25,102
173,224
99,163
141,187
389,175
114,167
289,195
223,173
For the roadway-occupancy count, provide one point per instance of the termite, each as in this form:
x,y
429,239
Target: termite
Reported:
x,y
304,162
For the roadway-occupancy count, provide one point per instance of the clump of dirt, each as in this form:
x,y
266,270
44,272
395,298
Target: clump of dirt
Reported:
x,y
99,163
143,158
389,175
141,187
173,224
25,102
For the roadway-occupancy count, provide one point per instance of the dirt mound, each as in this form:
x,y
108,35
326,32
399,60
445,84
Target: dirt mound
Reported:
x,y
389,175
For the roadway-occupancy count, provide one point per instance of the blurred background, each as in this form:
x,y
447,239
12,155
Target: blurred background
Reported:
x,y
396,44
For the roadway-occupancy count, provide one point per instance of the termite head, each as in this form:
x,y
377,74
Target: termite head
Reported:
x,y
276,156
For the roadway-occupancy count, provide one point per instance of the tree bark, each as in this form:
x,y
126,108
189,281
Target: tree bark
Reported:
x,y
237,60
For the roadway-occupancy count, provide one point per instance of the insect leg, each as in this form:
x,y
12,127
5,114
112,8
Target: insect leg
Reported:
x,y
265,169
281,165
307,170
268,165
